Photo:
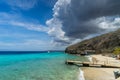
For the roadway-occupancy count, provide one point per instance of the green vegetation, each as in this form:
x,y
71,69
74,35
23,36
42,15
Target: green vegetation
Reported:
x,y
117,51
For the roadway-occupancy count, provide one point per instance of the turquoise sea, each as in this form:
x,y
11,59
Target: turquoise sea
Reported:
x,y
40,66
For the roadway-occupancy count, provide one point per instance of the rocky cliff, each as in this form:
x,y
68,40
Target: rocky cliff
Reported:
x,y
101,44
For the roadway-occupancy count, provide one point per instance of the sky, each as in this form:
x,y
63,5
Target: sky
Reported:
x,y
37,25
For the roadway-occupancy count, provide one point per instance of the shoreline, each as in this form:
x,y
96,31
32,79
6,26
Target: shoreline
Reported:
x,y
96,73
81,74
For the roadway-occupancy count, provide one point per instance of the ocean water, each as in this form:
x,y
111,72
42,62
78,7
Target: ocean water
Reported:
x,y
41,66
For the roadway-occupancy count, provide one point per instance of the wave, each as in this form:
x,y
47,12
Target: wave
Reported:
x,y
81,75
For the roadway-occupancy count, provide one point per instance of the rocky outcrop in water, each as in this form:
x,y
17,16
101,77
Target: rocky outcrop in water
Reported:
x,y
101,44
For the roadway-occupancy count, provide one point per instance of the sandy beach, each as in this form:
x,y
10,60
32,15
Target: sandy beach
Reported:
x,y
97,73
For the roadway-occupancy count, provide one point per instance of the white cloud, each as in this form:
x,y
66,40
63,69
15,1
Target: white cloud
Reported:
x,y
30,26
23,4
55,31
55,25
32,44
18,21
109,24
55,28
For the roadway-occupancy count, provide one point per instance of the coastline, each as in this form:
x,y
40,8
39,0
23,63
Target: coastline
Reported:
x,y
97,73
81,75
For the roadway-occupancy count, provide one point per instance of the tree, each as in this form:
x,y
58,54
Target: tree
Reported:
x,y
117,51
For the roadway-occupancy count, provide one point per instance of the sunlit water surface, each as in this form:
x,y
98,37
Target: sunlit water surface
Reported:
x,y
42,66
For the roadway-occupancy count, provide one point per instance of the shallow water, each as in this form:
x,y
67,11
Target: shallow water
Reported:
x,y
42,66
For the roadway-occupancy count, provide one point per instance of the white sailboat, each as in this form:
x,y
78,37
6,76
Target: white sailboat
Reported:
x,y
48,51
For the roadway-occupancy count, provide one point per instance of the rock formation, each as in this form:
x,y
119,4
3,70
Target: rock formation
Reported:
x,y
101,44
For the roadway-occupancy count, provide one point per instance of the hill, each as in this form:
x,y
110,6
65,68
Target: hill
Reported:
x,y
100,44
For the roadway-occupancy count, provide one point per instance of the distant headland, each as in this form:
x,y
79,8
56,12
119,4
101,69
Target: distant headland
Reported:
x,y
100,44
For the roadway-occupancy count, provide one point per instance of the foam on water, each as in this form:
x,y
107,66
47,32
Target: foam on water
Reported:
x,y
81,75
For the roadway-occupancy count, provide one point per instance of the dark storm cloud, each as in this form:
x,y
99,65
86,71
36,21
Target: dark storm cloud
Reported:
x,y
78,16
62,41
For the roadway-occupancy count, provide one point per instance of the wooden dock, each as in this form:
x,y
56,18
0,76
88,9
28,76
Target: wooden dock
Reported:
x,y
90,64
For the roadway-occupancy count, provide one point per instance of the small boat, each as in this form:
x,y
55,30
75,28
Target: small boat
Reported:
x,y
48,51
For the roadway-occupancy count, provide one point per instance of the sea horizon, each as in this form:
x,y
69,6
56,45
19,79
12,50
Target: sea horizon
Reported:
x,y
28,52
42,66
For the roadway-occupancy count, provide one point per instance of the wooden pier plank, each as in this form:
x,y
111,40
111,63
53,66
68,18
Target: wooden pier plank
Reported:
x,y
90,64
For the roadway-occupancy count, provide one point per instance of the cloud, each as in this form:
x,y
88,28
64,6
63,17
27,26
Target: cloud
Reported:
x,y
26,45
30,26
79,19
55,31
109,23
18,21
73,20
23,4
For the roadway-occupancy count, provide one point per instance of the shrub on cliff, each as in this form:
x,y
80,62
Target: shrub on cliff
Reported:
x,y
117,52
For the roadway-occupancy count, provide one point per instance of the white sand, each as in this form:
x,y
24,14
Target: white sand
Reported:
x,y
101,73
